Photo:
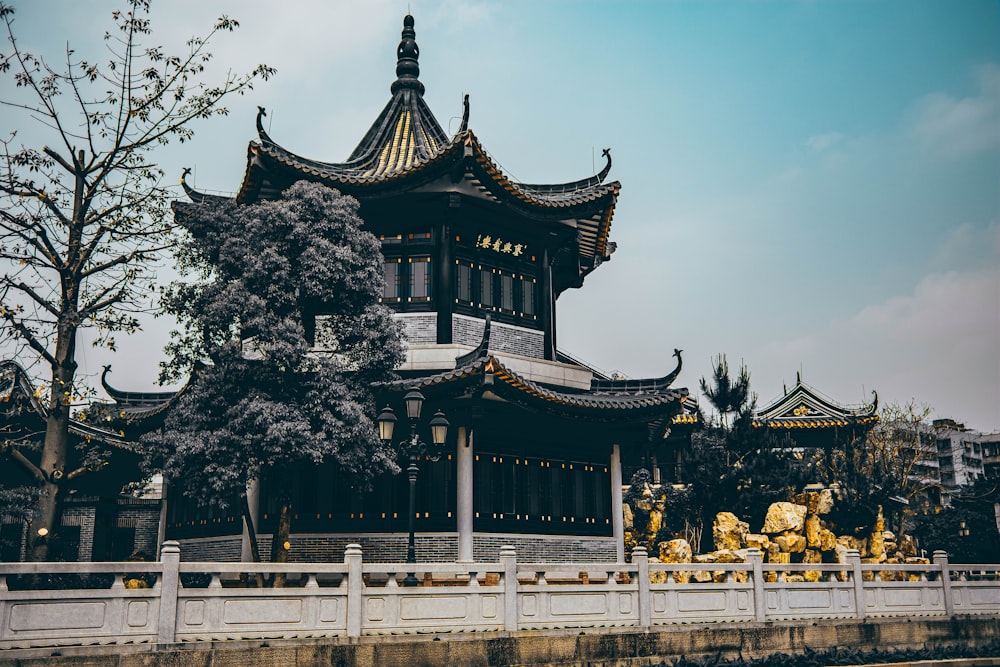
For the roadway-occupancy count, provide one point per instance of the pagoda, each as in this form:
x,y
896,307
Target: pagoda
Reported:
x,y
474,265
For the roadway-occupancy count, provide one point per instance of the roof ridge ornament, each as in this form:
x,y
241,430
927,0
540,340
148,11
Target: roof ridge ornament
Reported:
x,y
465,116
264,137
407,54
606,153
194,196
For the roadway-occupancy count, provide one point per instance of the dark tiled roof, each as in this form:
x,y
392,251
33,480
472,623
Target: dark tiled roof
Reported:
x,y
506,383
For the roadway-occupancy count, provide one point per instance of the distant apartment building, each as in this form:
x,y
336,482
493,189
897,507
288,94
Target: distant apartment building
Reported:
x,y
960,453
991,454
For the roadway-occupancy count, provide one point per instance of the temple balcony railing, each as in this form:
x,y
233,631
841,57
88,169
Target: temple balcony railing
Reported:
x,y
48,605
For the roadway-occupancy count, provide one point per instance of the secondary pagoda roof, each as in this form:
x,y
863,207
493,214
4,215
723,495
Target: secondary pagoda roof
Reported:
x,y
481,372
804,408
406,149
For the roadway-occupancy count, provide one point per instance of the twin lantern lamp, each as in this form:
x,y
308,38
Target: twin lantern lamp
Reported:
x,y
414,447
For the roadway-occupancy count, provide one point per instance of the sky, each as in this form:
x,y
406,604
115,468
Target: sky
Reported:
x,y
808,187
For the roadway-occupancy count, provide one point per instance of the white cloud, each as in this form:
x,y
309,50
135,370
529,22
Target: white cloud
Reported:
x,y
821,142
957,126
933,345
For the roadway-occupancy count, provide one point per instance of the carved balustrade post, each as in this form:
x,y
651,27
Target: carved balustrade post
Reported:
x,y
355,589
854,560
941,558
640,558
508,559
170,581
756,558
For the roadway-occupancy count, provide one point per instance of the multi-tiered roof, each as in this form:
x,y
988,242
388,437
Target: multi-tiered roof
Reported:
x,y
406,151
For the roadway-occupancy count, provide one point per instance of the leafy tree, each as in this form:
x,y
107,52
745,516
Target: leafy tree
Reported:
x,y
81,218
886,468
270,398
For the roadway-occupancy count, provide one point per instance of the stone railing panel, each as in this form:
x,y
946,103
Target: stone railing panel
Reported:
x,y
814,590
688,593
975,589
577,595
453,598
112,614
314,605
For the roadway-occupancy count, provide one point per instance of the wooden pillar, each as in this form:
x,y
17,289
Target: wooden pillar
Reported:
x,y
444,281
464,461
547,306
617,520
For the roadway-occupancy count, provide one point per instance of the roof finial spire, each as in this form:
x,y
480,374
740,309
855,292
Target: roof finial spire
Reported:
x,y
407,53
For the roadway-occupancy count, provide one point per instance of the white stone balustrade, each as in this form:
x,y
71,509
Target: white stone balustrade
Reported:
x,y
60,604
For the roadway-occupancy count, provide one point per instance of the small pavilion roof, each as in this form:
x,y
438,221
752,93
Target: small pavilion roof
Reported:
x,y
804,408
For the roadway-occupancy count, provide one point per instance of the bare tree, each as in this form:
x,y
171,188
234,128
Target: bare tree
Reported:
x,y
82,218
892,467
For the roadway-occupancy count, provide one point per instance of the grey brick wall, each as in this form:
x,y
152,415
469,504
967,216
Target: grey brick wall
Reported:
x,y
503,337
211,549
545,548
430,548
420,328
83,517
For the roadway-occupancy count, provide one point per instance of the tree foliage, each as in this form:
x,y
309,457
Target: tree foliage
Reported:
x,y
82,217
267,398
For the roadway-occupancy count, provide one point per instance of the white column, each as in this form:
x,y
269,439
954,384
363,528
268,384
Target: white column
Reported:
x,y
253,501
464,476
617,520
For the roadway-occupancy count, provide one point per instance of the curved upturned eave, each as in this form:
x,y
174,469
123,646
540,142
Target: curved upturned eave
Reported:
x,y
561,196
511,386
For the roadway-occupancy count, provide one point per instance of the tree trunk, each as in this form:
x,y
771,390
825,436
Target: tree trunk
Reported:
x,y
279,541
46,519
252,533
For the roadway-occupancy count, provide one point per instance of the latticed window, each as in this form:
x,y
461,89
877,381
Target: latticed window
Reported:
x,y
390,291
420,278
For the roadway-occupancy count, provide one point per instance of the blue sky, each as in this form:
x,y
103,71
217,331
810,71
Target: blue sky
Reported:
x,y
807,186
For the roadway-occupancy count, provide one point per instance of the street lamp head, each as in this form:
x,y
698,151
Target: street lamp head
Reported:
x,y
439,429
386,423
414,402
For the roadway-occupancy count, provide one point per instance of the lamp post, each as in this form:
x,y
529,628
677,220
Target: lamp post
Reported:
x,y
414,448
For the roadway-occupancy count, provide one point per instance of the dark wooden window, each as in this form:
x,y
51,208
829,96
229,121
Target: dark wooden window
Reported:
x,y
486,287
463,276
527,295
420,278
507,292
390,292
